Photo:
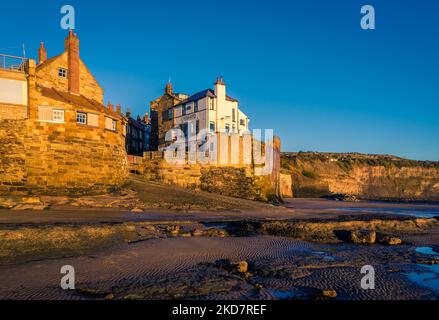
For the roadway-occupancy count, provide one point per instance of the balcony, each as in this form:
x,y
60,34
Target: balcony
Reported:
x,y
13,63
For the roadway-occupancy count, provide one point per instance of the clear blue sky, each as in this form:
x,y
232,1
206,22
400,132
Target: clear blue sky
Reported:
x,y
304,68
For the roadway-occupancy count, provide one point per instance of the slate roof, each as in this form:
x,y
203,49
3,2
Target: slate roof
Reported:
x,y
77,100
203,94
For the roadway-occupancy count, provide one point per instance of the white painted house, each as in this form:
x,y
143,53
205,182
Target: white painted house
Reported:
x,y
211,110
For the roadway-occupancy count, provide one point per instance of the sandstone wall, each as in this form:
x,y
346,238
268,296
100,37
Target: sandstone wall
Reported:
x,y
12,112
228,179
47,76
286,185
12,158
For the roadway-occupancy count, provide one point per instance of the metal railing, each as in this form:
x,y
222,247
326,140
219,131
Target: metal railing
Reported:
x,y
13,63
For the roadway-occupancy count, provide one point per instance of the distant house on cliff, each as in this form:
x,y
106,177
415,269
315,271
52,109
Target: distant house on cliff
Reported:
x,y
210,110
55,112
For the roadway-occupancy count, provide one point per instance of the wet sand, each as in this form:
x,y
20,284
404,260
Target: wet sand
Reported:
x,y
186,268
183,268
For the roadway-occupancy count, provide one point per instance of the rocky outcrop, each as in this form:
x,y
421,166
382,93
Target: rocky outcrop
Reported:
x,y
358,176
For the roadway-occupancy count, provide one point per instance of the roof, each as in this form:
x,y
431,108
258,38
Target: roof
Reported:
x,y
78,100
139,124
202,94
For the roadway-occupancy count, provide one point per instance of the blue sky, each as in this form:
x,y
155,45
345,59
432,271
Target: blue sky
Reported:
x,y
304,68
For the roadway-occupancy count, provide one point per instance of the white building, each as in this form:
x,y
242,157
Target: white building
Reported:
x,y
211,110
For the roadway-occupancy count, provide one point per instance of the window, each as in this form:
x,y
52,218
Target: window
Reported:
x,y
81,118
62,73
211,104
242,122
58,115
233,115
233,128
110,124
188,107
196,106
227,128
93,119
170,114
212,126
197,127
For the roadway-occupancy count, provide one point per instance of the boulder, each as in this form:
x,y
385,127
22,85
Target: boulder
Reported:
x,y
197,233
388,240
329,294
363,236
242,267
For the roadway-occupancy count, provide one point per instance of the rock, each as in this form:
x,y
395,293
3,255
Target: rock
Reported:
x,y
388,240
329,294
242,267
213,232
31,200
136,210
36,207
173,230
197,233
7,203
109,296
363,237
186,234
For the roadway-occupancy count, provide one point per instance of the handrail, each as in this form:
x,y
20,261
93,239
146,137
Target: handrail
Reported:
x,y
13,63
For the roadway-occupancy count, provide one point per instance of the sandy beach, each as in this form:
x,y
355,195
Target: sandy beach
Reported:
x,y
161,255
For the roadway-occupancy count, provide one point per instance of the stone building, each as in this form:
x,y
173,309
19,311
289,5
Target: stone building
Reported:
x,y
210,110
162,115
55,132
138,135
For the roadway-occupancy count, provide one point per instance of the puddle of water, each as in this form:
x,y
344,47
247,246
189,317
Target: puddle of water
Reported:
x,y
429,277
427,251
283,295
324,255
412,212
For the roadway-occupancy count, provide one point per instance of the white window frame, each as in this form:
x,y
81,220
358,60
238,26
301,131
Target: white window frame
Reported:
x,y
60,112
85,117
62,73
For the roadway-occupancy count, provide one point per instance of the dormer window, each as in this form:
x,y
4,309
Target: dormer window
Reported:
x,y
62,73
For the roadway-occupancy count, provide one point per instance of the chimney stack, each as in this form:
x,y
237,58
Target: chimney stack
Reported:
x,y
72,48
128,114
42,53
220,89
146,118
169,89
118,108
110,107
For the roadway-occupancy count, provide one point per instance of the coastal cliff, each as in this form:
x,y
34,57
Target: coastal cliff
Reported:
x,y
371,177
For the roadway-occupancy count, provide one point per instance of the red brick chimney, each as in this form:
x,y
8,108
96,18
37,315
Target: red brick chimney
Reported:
x,y
42,53
72,49
110,107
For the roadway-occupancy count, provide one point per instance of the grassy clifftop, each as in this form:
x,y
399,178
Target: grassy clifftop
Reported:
x,y
365,176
